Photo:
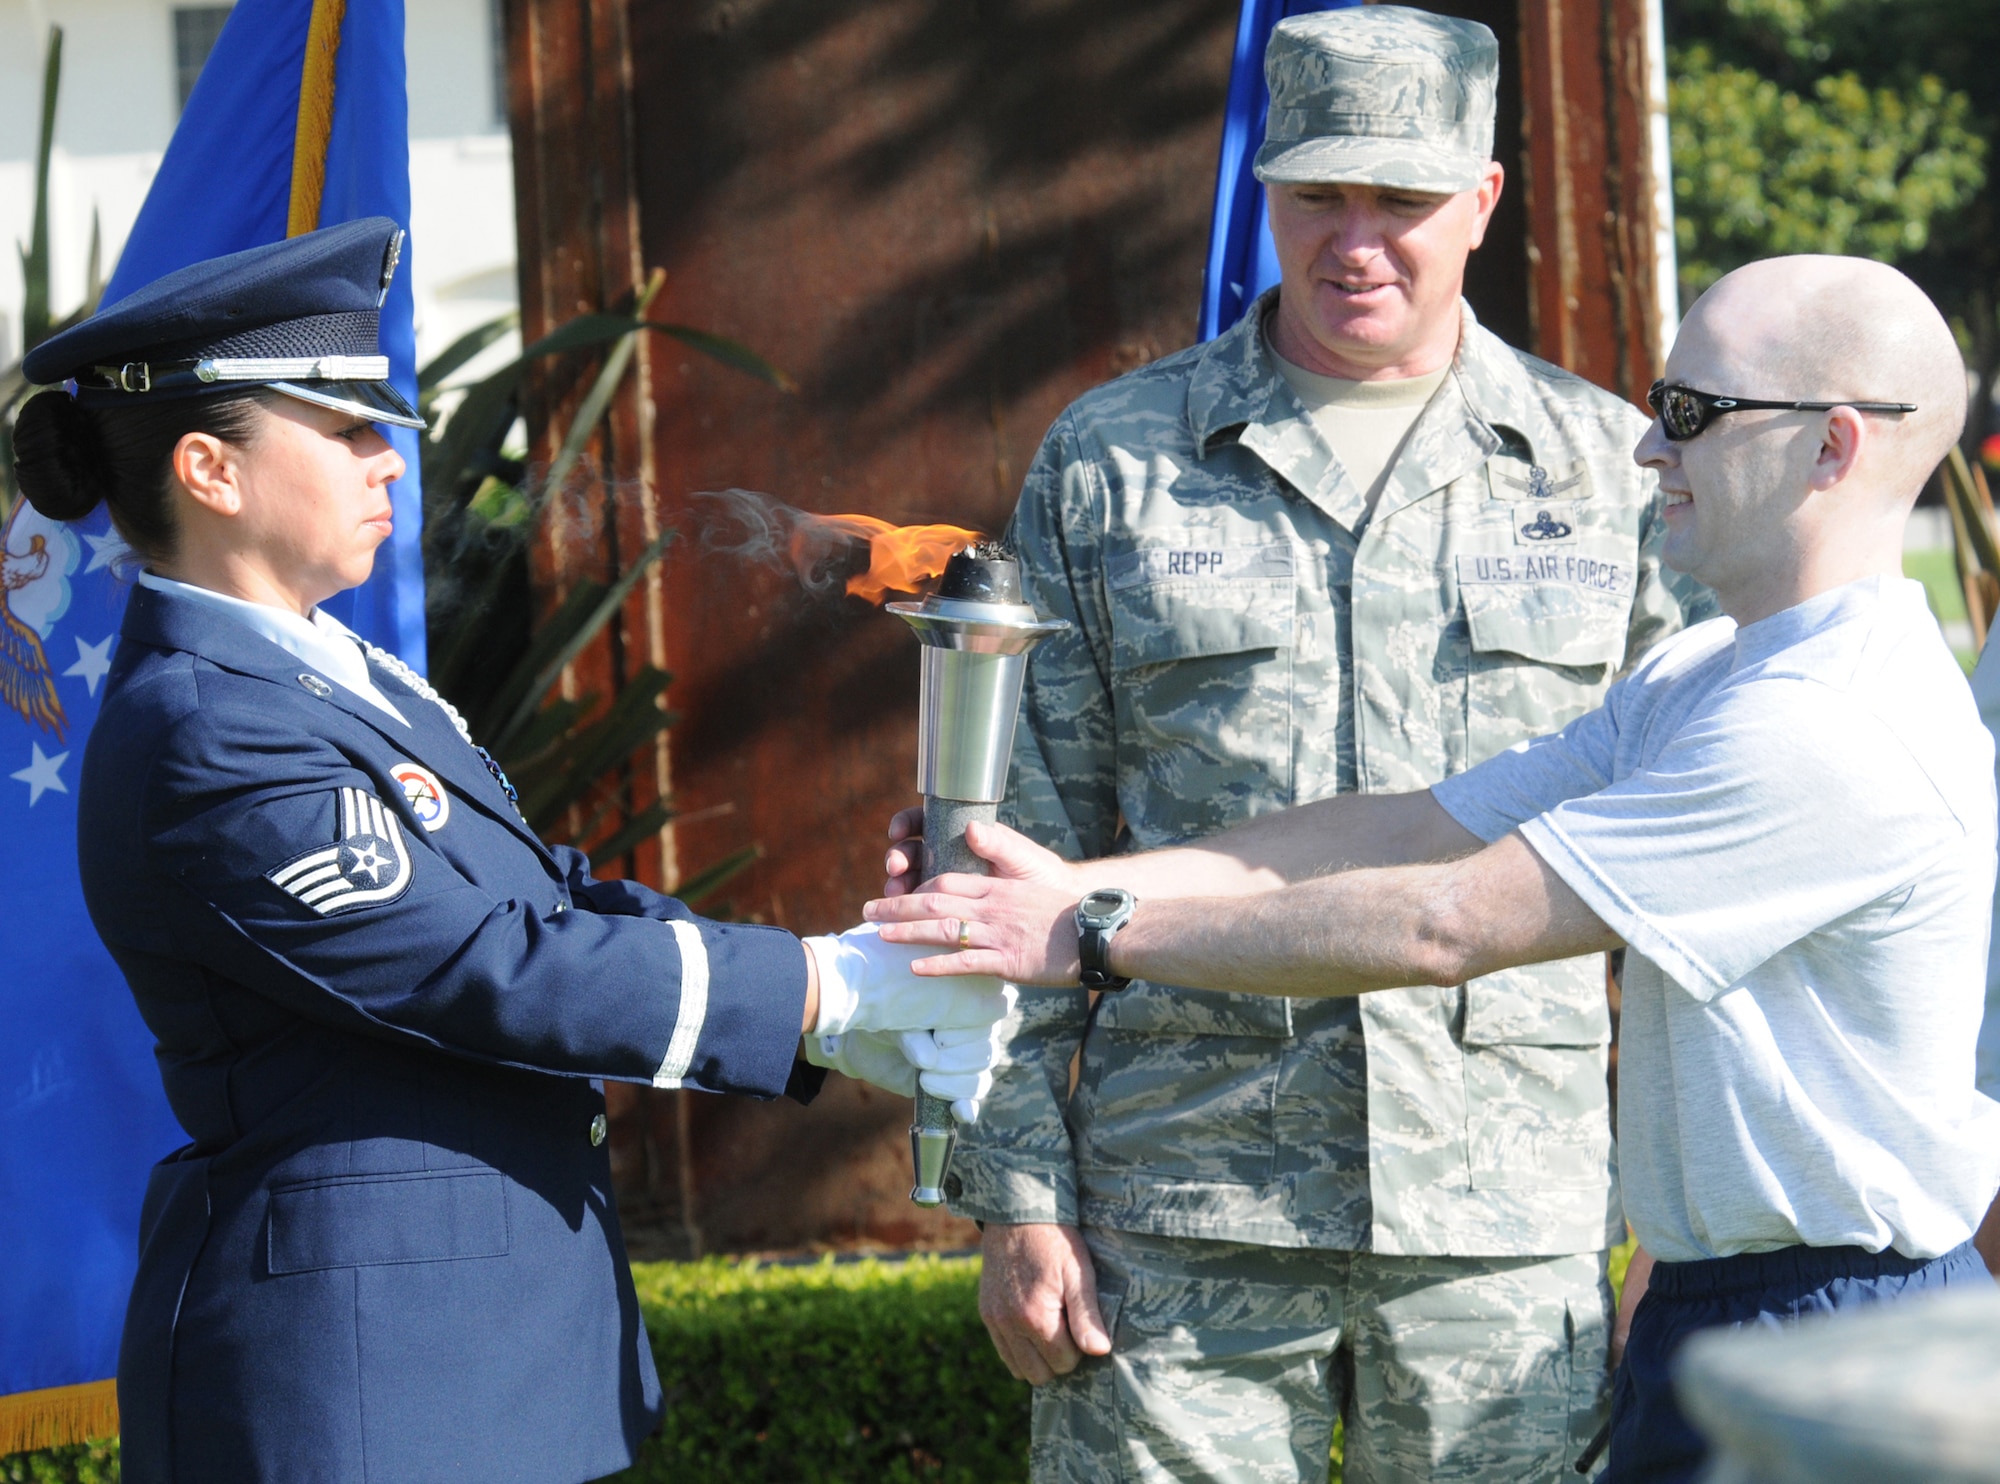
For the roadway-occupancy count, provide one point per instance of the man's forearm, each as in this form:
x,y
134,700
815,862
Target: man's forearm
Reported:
x,y
1339,834
1360,930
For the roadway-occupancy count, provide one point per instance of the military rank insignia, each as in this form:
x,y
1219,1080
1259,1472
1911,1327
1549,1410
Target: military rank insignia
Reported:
x,y
424,794
367,863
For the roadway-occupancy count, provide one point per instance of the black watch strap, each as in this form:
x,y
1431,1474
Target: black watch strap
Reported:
x,y
1099,916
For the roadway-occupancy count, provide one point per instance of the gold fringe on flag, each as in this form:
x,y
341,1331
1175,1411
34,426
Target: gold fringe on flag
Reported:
x,y
59,1415
315,115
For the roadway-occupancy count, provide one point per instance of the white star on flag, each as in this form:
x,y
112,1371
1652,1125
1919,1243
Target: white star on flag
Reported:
x,y
92,661
41,775
104,550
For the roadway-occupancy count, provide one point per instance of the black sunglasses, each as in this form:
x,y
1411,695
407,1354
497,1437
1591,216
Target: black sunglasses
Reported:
x,y
1684,412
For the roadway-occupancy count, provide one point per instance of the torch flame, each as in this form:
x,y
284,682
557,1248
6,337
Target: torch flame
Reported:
x,y
901,559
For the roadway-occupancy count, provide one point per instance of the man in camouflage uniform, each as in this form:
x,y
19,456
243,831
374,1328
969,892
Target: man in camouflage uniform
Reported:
x,y
1273,1212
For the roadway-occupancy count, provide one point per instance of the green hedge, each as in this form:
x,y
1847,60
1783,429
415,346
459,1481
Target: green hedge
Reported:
x,y
827,1374
84,1463
808,1375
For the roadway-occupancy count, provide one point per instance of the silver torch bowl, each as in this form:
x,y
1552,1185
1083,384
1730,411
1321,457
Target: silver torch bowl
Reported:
x,y
976,633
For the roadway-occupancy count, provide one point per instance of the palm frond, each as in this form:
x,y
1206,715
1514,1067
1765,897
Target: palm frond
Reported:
x,y
638,829
35,314
431,376
573,644
633,720
698,888
480,515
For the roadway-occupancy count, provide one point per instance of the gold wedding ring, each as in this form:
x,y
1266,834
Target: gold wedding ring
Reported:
x,y
964,933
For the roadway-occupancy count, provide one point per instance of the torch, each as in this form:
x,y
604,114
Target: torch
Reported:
x,y
976,633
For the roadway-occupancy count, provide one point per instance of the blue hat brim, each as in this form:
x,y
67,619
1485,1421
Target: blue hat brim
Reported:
x,y
378,401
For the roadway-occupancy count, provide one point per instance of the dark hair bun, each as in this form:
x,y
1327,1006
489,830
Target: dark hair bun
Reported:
x,y
59,456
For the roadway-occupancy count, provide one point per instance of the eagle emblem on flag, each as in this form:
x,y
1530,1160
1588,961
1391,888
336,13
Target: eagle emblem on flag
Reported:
x,y
367,863
25,679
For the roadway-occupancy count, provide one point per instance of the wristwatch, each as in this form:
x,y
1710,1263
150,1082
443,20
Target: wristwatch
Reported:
x,y
1098,916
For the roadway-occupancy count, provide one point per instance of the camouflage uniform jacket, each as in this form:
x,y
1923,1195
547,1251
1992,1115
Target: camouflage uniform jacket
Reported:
x,y
1237,646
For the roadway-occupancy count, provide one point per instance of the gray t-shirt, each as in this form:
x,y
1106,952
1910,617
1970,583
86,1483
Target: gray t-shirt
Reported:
x,y
1791,825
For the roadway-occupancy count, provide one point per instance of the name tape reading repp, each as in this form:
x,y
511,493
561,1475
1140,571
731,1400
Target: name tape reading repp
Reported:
x,y
1269,562
1569,568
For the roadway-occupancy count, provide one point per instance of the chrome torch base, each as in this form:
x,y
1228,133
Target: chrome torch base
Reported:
x,y
930,1156
934,1135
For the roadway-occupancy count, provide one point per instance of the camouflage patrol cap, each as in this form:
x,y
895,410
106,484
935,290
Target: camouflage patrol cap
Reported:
x,y
1379,95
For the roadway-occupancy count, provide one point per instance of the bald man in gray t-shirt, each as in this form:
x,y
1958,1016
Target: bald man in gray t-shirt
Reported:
x,y
1787,815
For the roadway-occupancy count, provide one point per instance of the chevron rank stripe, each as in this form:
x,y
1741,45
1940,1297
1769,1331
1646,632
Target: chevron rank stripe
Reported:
x,y
367,863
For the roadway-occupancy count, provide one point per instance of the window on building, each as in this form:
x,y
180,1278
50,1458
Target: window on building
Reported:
x,y
195,30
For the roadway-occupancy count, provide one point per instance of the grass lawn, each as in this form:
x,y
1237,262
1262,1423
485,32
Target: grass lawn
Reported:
x,y
1937,570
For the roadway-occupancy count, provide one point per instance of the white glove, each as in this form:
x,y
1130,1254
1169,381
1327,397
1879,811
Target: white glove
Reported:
x,y
867,1056
865,984
958,1064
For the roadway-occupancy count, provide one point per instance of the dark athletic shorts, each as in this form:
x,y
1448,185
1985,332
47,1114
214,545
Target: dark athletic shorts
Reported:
x,y
1651,1442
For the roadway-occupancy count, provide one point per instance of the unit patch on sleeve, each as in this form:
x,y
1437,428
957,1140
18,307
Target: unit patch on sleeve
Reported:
x,y
367,863
424,794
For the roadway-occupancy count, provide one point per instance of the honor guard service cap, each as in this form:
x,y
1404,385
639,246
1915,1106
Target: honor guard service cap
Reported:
x,y
1379,95
300,317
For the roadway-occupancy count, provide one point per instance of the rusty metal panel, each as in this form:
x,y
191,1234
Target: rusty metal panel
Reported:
x,y
569,103
1496,278
945,220
1591,203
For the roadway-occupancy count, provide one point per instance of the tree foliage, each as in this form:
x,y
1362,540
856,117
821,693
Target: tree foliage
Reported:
x,y
1846,168
1845,126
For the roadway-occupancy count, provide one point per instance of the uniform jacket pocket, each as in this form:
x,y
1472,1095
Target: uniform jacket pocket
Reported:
x,y
1535,1096
1202,643
1558,608
1552,1004
371,1219
1182,603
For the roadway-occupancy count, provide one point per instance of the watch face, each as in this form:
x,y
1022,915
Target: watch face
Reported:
x,y
1105,902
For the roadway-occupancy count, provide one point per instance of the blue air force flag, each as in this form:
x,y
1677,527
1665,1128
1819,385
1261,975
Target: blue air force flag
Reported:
x,y
280,136
1242,262
82,1117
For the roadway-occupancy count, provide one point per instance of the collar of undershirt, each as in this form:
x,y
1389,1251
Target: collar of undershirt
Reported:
x,y
1315,391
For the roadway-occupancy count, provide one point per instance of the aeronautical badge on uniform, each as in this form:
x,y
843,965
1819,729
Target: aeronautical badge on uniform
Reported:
x,y
367,863
424,794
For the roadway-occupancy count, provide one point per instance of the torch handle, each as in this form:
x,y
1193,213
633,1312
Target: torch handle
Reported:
x,y
945,848
934,1135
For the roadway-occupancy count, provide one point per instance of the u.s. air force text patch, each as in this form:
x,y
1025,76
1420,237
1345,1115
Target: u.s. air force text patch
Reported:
x,y
1550,569
366,864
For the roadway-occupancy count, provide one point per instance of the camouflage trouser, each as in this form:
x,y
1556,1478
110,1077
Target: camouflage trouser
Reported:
x,y
1231,1362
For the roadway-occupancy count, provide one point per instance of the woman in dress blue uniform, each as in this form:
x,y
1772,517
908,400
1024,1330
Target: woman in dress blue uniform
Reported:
x,y
390,1251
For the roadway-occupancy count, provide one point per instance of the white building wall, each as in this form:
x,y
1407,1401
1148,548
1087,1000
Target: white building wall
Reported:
x,y
118,107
